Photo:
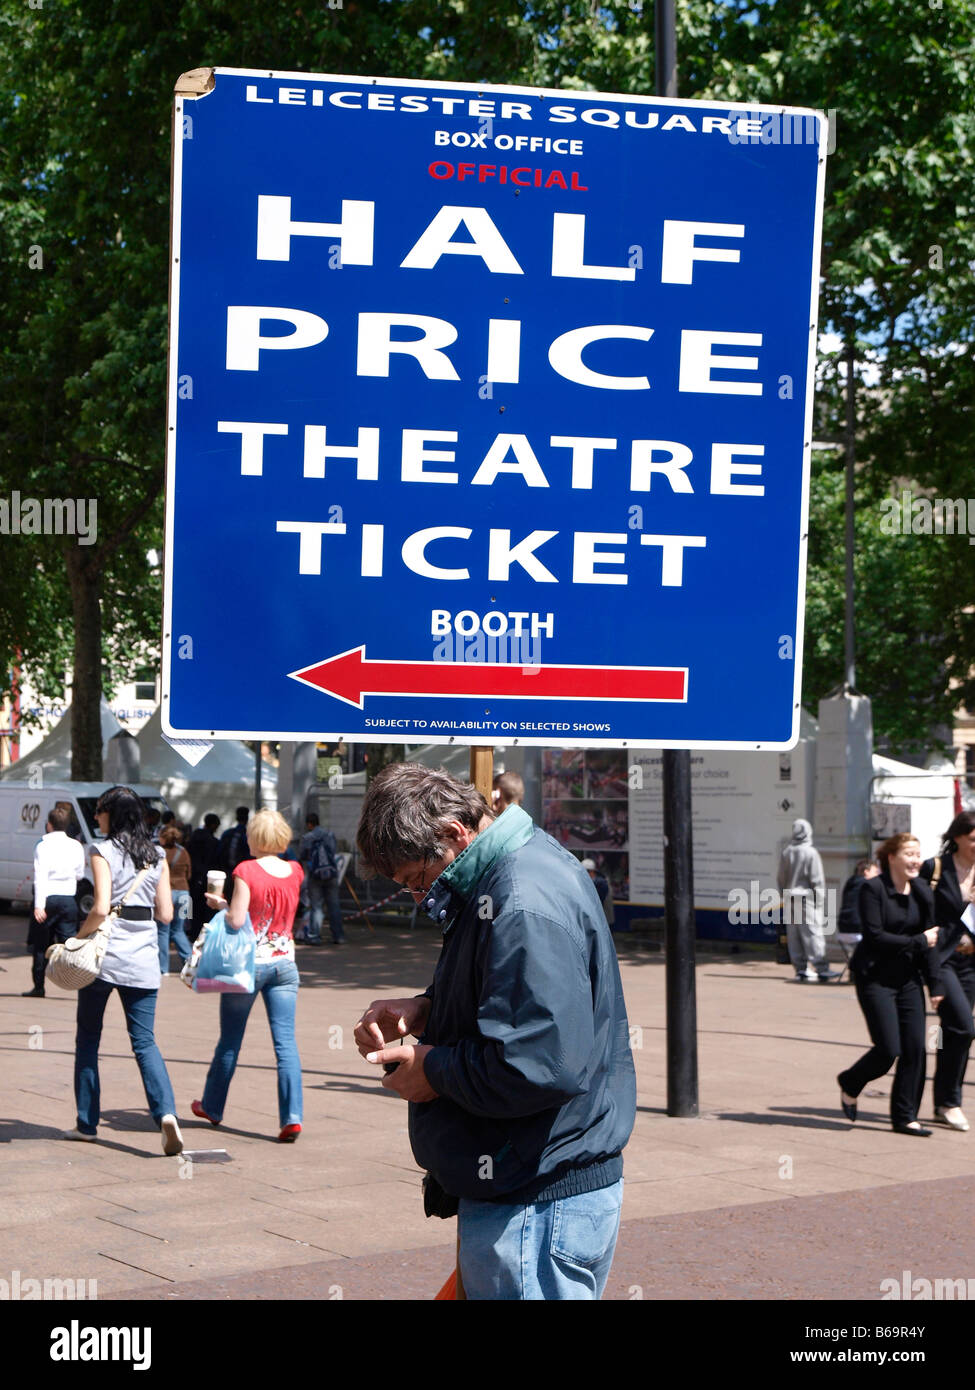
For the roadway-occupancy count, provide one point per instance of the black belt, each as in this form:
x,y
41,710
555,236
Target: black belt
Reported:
x,y
136,914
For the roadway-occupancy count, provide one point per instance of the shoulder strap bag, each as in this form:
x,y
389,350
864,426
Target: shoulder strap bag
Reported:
x,y
74,963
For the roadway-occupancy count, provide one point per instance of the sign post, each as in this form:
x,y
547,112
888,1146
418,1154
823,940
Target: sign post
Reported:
x,y
490,407
679,926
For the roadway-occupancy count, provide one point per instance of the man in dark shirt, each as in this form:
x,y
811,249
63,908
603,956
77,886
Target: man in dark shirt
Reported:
x,y
203,847
522,1089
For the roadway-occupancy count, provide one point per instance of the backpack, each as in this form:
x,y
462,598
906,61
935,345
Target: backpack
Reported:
x,y
321,862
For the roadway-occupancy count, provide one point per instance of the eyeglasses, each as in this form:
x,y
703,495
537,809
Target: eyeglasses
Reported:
x,y
418,886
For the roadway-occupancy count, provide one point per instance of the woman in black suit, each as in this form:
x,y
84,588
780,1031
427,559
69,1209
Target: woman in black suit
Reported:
x,y
952,876
889,967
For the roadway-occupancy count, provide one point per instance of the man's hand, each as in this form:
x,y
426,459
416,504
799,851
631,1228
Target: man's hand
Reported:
x,y
40,915
408,1080
965,946
385,1020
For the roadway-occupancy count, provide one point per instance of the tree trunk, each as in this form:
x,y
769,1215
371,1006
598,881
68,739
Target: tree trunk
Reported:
x,y
84,575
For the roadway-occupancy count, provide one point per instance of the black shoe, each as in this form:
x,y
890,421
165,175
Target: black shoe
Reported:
x,y
32,994
917,1130
829,976
849,1108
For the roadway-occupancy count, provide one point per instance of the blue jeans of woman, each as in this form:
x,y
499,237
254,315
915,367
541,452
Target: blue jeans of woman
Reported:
x,y
175,930
558,1250
278,983
140,1014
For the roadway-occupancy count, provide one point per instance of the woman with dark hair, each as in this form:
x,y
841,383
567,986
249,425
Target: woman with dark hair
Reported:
x,y
952,877
125,865
889,967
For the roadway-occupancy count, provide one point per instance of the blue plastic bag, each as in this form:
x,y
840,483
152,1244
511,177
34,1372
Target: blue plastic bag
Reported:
x,y
227,959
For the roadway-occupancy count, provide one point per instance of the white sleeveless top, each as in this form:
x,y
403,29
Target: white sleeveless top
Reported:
x,y
132,955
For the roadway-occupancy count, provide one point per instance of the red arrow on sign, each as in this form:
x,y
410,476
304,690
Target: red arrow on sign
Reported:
x,y
351,676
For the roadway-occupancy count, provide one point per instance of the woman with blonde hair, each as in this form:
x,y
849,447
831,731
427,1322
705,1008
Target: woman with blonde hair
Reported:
x,y
267,888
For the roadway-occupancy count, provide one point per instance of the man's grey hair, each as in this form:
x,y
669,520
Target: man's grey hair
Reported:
x,y
406,811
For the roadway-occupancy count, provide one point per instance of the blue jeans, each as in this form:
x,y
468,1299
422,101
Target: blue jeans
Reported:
x,y
278,983
176,929
140,1014
320,894
546,1250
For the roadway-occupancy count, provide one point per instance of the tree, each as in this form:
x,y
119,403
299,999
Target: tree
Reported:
x,y
84,193
898,246
84,180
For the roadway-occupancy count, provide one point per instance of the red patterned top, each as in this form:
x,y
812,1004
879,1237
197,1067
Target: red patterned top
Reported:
x,y
272,907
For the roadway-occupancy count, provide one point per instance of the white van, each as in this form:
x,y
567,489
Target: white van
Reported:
x,y
23,815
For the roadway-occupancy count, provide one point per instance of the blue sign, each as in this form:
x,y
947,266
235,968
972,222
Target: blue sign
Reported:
x,y
490,414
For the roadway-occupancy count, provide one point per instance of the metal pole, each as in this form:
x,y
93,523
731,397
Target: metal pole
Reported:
x,y
678,858
257,775
851,424
665,49
679,929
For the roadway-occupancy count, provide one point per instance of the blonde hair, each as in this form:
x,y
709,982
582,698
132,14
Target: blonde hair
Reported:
x,y
268,833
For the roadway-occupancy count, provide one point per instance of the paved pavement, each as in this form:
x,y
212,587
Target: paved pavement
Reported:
x,y
769,1194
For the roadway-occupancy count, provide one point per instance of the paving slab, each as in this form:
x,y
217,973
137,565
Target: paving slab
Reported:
x,y
713,1209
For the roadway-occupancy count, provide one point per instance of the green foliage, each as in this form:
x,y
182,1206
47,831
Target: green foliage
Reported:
x,y
907,640
898,251
84,174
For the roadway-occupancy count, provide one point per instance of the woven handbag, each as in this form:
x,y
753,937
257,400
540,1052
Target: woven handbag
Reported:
x,y
74,963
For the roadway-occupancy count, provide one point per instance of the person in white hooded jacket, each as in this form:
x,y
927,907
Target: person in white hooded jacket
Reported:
x,y
802,881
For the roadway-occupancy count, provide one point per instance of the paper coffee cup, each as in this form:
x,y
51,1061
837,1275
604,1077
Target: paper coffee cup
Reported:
x,y
216,878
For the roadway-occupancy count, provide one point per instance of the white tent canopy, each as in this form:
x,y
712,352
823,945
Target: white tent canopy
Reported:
x,y
53,754
220,781
929,793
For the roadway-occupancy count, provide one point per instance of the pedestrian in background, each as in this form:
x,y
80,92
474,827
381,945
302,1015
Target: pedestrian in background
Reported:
x,y
233,842
890,967
317,854
601,884
801,876
180,867
59,863
508,789
266,887
130,964
952,877
849,921
203,847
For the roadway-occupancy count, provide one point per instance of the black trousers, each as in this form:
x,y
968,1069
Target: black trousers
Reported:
x,y
957,1030
895,1018
201,912
60,923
